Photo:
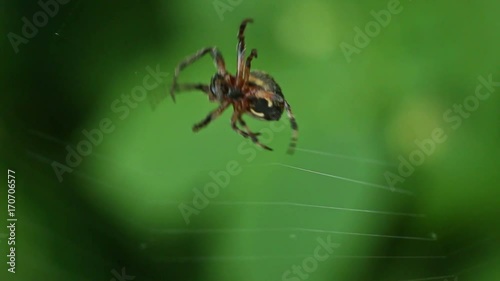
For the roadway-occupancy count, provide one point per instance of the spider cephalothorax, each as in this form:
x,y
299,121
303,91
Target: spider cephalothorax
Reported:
x,y
252,92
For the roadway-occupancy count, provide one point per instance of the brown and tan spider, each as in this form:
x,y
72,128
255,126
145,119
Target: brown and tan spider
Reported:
x,y
252,92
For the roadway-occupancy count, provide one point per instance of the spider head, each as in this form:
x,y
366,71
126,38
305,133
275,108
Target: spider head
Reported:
x,y
221,88
218,86
267,108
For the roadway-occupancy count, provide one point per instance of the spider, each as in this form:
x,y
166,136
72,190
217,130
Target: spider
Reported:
x,y
252,92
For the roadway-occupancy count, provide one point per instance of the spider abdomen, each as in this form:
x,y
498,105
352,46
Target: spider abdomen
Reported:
x,y
265,81
266,109
266,101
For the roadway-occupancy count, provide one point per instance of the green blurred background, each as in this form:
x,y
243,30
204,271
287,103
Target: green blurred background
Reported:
x,y
120,207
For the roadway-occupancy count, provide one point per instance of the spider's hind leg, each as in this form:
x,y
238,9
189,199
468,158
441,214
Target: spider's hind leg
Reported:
x,y
248,134
295,129
244,124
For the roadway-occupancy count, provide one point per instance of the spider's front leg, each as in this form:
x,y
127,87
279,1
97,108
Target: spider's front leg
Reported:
x,y
216,56
241,52
201,87
248,64
211,116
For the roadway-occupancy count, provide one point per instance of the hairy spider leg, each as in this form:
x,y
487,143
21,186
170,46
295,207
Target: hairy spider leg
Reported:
x,y
241,53
234,118
248,65
198,86
244,124
295,129
249,134
216,56
211,116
